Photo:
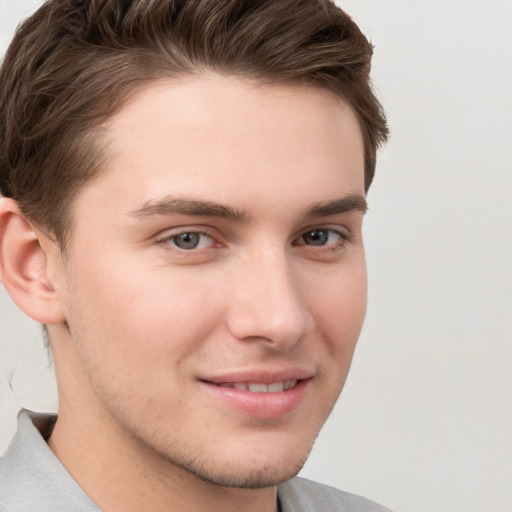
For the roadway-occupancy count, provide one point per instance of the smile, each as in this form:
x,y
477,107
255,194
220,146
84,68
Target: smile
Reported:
x,y
259,387
259,397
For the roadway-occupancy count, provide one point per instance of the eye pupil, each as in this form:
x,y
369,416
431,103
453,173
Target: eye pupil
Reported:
x,y
187,240
316,237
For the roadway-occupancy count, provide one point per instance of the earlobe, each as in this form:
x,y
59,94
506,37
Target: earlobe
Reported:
x,y
24,266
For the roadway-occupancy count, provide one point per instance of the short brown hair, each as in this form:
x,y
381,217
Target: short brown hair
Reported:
x,y
72,64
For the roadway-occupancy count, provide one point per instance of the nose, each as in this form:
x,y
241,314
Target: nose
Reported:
x,y
268,303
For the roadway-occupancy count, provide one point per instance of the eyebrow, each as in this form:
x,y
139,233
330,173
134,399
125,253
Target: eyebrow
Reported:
x,y
173,205
345,204
190,207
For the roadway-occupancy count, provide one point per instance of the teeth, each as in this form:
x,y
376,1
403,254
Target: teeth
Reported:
x,y
277,387
290,384
258,387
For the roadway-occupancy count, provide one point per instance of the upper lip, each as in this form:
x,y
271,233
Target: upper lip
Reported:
x,y
259,376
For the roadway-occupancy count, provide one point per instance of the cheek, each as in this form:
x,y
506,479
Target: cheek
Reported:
x,y
142,316
340,308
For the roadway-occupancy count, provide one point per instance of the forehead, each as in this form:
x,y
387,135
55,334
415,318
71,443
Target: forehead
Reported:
x,y
246,106
226,139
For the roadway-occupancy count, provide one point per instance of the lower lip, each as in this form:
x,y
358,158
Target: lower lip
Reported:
x,y
260,405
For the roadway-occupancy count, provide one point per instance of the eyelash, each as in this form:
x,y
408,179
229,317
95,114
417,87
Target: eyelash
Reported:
x,y
342,238
169,239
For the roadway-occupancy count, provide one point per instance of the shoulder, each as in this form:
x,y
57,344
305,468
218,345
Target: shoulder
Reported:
x,y
32,478
301,495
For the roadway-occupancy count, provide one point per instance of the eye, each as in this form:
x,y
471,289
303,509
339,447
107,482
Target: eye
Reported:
x,y
190,240
322,237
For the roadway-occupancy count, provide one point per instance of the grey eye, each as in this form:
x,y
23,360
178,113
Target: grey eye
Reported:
x,y
316,237
187,241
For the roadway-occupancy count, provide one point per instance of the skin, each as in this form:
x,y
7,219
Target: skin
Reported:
x,y
276,284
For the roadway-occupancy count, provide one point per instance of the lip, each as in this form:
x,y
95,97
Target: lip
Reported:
x,y
261,376
259,405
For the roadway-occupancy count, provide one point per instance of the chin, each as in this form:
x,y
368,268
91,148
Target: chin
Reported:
x,y
251,478
249,473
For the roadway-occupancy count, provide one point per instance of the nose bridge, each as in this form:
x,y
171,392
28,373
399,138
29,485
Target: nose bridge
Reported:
x,y
267,302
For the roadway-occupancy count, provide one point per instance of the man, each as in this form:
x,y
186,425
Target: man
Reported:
x,y
184,189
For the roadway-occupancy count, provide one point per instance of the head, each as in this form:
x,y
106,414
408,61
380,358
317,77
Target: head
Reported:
x,y
186,184
72,65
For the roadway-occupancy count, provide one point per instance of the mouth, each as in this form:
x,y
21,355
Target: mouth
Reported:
x,y
260,395
260,387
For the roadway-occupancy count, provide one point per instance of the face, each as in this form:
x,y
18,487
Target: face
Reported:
x,y
215,282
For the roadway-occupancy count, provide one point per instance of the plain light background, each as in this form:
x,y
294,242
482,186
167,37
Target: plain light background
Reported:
x,y
425,421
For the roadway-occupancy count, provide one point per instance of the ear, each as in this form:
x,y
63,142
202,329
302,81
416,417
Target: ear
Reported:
x,y
24,259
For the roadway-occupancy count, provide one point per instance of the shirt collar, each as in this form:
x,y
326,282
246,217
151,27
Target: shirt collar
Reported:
x,y
31,476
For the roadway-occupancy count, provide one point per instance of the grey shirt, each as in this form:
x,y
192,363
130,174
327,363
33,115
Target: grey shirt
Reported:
x,y
32,479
